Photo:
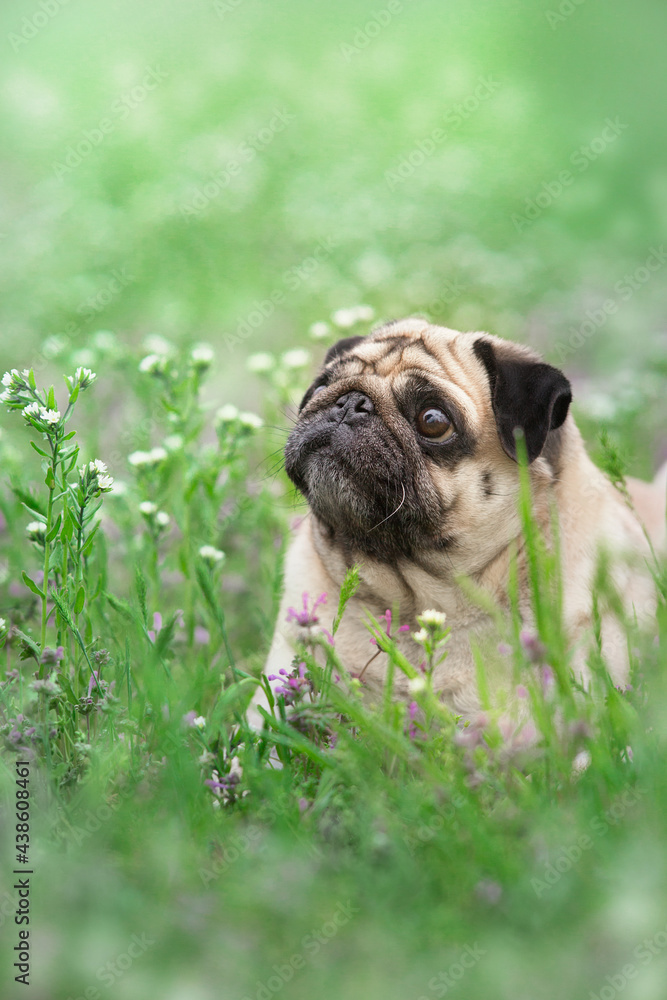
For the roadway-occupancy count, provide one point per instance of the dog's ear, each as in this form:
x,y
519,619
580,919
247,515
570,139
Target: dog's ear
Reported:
x,y
527,394
341,347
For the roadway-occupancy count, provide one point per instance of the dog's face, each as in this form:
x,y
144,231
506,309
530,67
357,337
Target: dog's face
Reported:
x,y
405,446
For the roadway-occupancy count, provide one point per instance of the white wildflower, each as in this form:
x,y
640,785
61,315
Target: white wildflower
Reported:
x,y
365,313
261,362
51,417
227,414
35,530
98,467
295,359
53,346
320,330
155,344
105,483
174,442
581,762
251,421
105,341
202,356
199,722
416,684
32,410
211,555
84,358
148,508
432,619
141,459
152,364
162,519
3,626
421,636
8,378
345,318
85,377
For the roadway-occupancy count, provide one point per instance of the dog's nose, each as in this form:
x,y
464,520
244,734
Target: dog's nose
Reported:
x,y
352,408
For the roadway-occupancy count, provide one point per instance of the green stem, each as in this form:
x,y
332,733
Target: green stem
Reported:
x,y
45,584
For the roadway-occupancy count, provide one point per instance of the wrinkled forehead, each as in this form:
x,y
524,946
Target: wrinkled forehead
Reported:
x,y
395,360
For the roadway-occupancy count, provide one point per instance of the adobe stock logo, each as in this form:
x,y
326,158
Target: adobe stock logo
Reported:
x,y
644,953
33,24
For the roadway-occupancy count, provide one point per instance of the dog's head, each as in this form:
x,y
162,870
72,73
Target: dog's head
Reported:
x,y
405,440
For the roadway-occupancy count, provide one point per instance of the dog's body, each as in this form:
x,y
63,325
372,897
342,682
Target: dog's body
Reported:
x,y
405,451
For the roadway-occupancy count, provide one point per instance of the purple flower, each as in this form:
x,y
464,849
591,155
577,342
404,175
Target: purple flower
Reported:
x,y
413,709
531,644
305,618
223,784
157,626
53,656
295,686
548,680
521,691
387,619
202,635
504,649
488,891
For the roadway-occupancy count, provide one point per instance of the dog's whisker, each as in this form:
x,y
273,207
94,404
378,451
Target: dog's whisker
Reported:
x,y
392,513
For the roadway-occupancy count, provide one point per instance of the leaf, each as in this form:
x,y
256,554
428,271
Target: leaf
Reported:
x,y
51,401
165,635
31,585
347,591
234,698
55,529
30,647
64,612
39,450
31,380
29,501
80,600
50,479
68,526
122,607
64,683
204,581
140,584
88,544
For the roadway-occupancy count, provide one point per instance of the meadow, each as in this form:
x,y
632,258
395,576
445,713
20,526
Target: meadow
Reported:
x,y
195,202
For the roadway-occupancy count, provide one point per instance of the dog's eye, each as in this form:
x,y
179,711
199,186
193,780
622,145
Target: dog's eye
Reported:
x,y
433,423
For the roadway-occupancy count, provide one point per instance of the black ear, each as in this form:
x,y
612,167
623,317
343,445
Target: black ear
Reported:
x,y
346,344
526,394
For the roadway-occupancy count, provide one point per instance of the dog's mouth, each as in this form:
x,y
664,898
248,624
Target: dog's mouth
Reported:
x,y
360,484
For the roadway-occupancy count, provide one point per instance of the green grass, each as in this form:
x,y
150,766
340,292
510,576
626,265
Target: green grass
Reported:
x,y
369,865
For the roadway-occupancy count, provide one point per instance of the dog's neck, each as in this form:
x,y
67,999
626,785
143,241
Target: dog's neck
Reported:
x,y
481,556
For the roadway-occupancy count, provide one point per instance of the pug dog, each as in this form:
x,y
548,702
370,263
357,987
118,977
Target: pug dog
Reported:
x,y
405,451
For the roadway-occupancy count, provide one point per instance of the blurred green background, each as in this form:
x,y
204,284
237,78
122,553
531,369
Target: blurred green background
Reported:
x,y
233,172
103,176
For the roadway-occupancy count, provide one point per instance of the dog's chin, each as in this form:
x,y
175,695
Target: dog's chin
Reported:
x,y
340,501
365,506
